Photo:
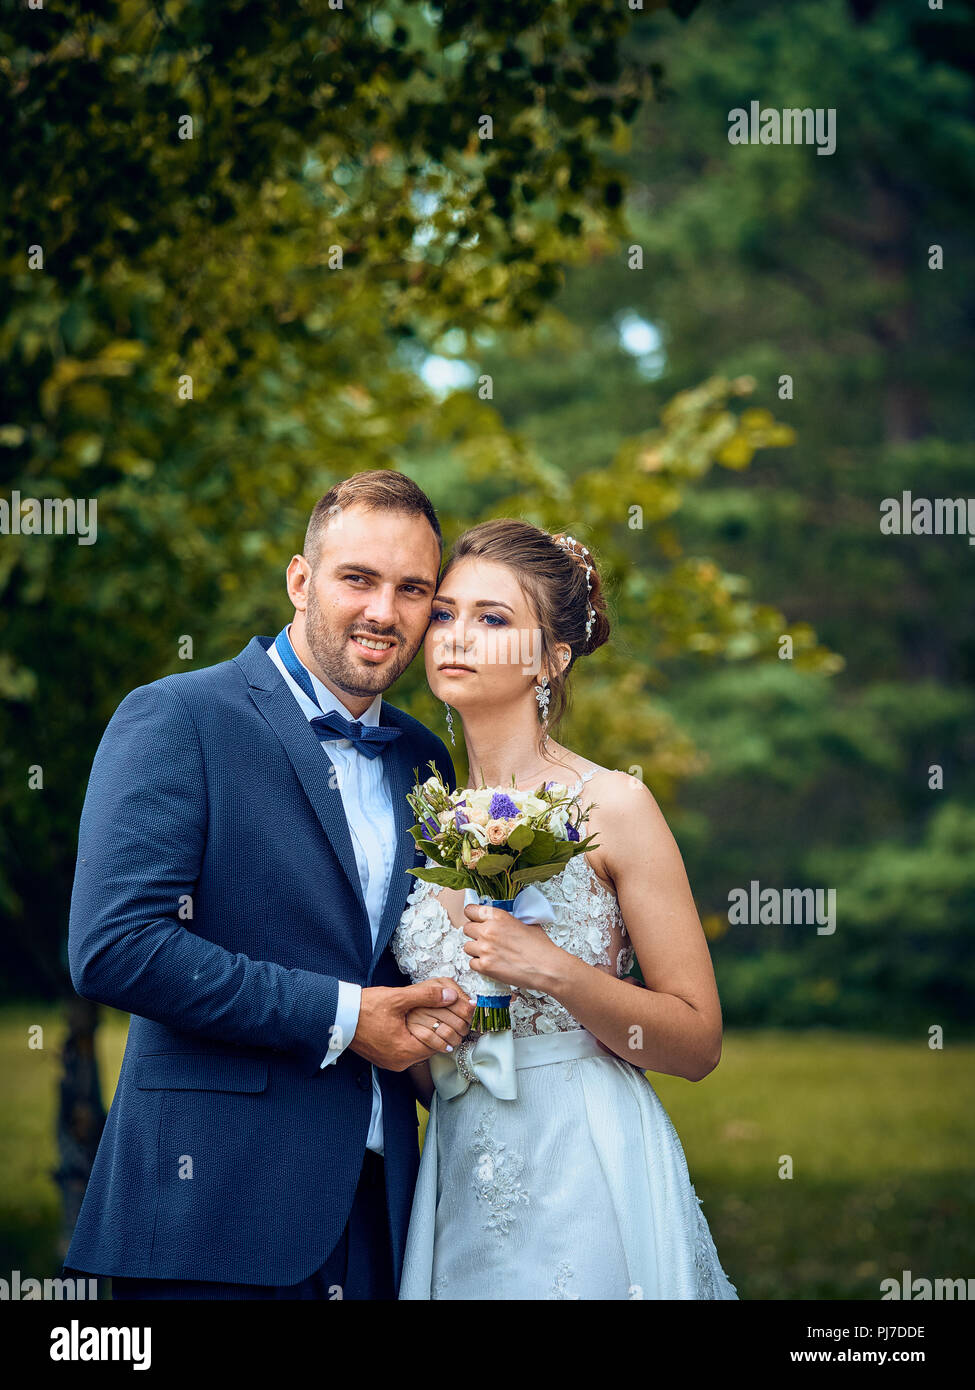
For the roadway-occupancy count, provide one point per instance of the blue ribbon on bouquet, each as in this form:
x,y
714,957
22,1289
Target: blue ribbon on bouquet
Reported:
x,y
489,1057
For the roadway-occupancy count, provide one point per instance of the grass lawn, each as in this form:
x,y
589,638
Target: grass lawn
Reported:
x,y
879,1133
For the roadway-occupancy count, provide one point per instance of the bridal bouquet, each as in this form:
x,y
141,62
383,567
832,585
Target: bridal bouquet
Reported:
x,y
496,843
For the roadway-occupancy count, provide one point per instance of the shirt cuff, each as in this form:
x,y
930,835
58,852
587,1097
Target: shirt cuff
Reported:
x,y
346,1021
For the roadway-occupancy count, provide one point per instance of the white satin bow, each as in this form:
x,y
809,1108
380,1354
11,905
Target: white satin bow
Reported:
x,y
485,1057
489,1057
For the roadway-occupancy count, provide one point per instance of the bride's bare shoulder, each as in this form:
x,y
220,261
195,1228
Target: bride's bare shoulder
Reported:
x,y
621,800
611,787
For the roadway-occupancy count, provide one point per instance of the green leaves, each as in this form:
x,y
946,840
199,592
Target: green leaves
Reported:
x,y
540,873
490,864
520,837
443,877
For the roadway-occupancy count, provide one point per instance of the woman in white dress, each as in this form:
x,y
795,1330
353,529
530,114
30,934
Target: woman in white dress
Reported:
x,y
562,1176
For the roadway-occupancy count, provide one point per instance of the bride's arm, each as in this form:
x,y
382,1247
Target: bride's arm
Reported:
x,y
674,1025
422,1083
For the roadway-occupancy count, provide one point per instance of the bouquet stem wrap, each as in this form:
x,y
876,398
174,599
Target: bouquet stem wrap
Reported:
x,y
492,1014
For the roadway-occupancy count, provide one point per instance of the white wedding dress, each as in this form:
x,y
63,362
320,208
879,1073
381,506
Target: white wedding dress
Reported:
x,y
576,1188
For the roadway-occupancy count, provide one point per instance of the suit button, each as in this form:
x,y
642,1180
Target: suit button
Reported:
x,y
363,1081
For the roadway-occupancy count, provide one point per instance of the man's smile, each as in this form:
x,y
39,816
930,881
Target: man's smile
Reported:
x,y
373,648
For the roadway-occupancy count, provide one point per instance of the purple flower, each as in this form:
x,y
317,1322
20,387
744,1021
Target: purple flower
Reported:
x,y
502,807
571,833
432,826
457,815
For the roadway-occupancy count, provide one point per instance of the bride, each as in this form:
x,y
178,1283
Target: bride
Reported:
x,y
566,1179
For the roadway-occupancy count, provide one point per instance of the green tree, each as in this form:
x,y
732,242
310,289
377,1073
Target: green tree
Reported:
x,y
230,233
772,261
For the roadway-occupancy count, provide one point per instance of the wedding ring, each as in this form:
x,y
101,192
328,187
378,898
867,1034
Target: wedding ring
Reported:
x,y
436,1025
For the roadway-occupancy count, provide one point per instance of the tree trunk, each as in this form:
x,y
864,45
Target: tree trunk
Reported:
x,y
81,1114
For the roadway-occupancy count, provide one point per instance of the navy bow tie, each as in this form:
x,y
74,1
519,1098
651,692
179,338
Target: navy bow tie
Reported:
x,y
368,739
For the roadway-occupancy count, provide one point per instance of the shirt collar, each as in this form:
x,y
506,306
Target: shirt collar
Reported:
x,y
330,701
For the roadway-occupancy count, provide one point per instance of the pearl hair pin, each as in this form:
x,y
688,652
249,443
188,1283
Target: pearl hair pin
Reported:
x,y
573,546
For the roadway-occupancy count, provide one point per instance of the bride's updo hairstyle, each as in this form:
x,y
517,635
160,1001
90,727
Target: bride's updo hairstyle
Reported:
x,y
553,578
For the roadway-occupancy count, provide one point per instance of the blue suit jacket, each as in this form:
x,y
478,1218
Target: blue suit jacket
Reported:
x,y
229,1153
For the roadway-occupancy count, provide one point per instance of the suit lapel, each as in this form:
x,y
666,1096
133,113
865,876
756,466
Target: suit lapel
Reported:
x,y
399,771
314,768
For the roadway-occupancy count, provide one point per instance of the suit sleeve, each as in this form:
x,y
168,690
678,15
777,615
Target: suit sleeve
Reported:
x,y
140,849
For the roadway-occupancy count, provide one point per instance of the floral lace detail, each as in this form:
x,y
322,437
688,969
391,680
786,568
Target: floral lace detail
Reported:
x,y
588,923
439,1286
706,1263
624,960
497,1170
562,1276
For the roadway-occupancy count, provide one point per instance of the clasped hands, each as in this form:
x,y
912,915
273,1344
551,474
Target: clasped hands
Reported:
x,y
396,1027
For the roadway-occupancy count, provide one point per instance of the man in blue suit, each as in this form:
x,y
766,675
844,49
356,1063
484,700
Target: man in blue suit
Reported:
x,y
242,865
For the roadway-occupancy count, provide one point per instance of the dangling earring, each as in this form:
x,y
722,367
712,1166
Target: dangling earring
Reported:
x,y
450,723
541,695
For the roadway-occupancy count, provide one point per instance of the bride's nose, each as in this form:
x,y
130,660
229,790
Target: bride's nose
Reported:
x,y
451,638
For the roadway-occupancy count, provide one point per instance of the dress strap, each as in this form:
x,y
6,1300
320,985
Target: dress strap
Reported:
x,y
578,786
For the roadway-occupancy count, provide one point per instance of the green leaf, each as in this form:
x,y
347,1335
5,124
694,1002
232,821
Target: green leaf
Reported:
x,y
537,874
445,878
521,837
541,850
493,864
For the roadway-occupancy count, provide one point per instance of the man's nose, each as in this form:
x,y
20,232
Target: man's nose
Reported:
x,y
381,607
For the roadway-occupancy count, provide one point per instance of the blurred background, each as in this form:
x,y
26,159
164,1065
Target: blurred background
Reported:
x,y
249,249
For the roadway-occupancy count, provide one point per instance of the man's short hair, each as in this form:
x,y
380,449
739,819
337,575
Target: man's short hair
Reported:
x,y
379,490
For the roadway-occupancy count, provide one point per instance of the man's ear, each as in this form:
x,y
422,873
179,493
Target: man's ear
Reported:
x,y
299,580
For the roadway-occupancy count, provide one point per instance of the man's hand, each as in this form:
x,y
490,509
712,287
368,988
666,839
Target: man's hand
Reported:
x,y
442,1028
382,1035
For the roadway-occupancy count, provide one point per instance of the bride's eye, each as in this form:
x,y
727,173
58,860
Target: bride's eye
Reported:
x,y
495,620
439,614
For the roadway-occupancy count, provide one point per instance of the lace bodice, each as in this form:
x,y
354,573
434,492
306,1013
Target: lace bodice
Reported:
x,y
588,923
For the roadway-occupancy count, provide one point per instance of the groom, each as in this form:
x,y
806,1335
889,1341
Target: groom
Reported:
x,y
242,865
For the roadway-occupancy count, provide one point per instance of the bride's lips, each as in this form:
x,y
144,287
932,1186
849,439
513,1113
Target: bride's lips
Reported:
x,y
452,669
373,653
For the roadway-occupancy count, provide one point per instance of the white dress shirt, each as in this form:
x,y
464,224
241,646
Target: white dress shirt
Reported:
x,y
368,805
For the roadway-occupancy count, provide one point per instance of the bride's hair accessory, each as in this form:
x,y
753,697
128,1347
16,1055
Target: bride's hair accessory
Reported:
x,y
574,548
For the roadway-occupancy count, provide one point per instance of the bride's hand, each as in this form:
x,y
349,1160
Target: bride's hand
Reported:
x,y
510,951
442,1029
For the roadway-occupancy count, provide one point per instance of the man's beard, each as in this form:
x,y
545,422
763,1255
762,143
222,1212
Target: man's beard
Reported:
x,y
331,652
